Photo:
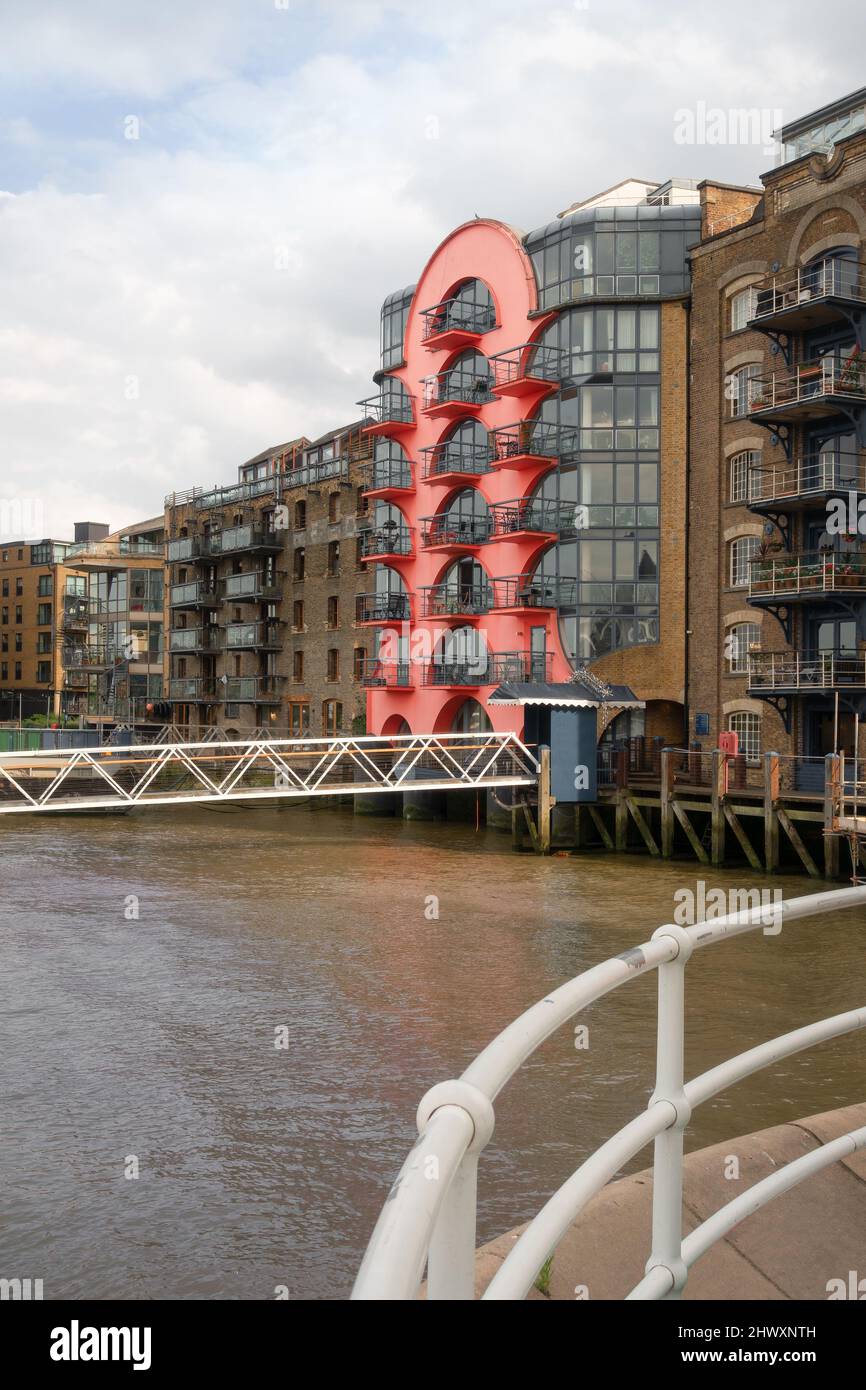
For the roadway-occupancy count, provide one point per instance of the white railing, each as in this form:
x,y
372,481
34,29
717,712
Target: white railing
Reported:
x,y
116,777
430,1213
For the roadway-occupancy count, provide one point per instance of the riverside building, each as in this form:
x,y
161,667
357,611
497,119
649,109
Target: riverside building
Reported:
x,y
777,570
528,490
263,578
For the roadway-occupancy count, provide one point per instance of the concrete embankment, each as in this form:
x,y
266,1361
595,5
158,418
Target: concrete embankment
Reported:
x,y
790,1249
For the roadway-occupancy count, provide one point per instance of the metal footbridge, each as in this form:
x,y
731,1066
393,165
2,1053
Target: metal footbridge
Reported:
x,y
117,778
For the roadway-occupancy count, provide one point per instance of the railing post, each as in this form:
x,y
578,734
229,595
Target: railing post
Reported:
x,y
771,819
451,1253
667,1222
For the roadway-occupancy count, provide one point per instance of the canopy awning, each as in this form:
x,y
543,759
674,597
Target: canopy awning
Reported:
x,y
563,695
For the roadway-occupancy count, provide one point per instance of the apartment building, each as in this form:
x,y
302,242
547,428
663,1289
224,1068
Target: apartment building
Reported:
x,y
528,496
777,571
263,580
81,623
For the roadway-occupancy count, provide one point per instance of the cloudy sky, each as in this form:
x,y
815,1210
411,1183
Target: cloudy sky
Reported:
x,y
204,202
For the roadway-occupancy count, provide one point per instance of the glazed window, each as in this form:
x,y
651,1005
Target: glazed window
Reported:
x,y
629,251
391,466
737,388
740,468
607,340
743,551
739,642
742,308
395,314
747,727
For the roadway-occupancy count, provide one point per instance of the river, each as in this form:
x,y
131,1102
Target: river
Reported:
x,y
155,964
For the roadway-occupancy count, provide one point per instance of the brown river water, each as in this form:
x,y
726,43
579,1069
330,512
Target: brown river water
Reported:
x,y
150,1040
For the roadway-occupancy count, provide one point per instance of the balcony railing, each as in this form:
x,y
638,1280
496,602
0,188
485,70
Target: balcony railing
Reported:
x,y
382,608
248,690
113,552
312,474
305,475
455,318
186,548
811,573
252,588
813,475
195,594
825,670
455,531
811,388
390,675
390,539
456,456
530,440
489,668
198,689
540,516
388,477
195,639
456,392
238,538
527,367
252,636
797,293
89,657
534,591
388,409
467,600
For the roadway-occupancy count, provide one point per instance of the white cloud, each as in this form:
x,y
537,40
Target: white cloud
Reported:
x,y
233,259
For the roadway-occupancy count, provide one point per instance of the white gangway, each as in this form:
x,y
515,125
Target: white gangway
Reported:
x,y
431,1219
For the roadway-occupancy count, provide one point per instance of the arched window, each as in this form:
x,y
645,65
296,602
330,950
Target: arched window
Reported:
x,y
747,727
468,516
461,655
744,479
738,388
466,449
465,588
471,307
471,718
390,465
741,638
742,308
743,551
467,379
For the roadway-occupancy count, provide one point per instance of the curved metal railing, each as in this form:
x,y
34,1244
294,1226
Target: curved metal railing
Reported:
x,y
430,1213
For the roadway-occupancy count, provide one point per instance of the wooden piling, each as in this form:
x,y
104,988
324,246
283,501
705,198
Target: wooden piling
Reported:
x,y
665,792
771,819
545,800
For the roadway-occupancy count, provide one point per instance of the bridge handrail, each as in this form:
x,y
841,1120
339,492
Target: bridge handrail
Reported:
x,y
393,1263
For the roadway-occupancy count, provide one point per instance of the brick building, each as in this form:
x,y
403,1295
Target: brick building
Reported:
x,y
778,396
263,581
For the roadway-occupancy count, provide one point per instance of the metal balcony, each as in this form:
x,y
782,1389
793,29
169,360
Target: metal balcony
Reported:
x,y
188,548
76,613
249,690
528,370
533,518
388,481
796,672
87,657
388,413
237,539
488,668
390,541
453,323
451,600
118,554
531,443
197,689
799,299
253,637
455,535
387,675
195,640
527,592
806,576
456,460
455,394
810,390
253,587
194,594
374,610
814,476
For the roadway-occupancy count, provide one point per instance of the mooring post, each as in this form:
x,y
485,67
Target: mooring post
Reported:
x,y
771,819
719,790
832,811
667,810
545,800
